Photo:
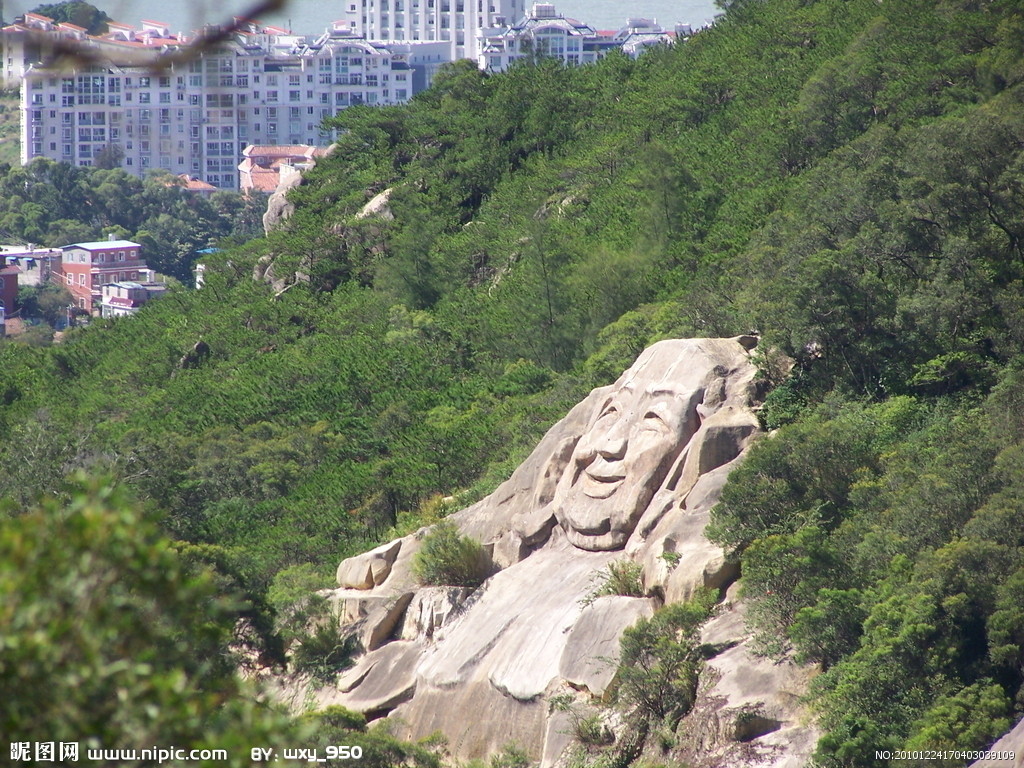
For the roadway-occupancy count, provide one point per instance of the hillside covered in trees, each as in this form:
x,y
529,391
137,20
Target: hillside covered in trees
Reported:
x,y
844,177
56,204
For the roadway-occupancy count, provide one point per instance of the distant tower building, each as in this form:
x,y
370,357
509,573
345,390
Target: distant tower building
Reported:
x,y
459,22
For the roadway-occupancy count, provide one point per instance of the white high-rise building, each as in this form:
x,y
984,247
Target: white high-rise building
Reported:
x,y
461,23
196,117
541,32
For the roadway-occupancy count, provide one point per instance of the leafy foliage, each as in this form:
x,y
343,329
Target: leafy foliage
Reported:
x,y
619,577
890,568
324,652
448,558
106,636
48,302
840,175
338,726
56,204
660,659
77,12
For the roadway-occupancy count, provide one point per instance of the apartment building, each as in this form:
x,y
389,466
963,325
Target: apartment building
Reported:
x,y
640,34
459,23
35,38
264,87
142,109
542,32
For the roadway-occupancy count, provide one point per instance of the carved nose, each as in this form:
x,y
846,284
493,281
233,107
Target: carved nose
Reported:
x,y
613,448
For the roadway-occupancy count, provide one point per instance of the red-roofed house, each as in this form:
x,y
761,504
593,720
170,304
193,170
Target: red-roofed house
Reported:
x,y
263,166
90,266
158,28
75,31
118,31
198,186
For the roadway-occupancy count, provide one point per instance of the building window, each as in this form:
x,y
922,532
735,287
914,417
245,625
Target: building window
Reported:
x,y
120,255
81,279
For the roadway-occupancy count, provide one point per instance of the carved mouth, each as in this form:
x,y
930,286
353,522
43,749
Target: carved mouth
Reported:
x,y
601,486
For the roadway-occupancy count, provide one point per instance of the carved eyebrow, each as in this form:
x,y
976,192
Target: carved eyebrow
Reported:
x,y
662,391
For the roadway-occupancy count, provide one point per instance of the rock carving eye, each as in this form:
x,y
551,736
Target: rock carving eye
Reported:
x,y
653,420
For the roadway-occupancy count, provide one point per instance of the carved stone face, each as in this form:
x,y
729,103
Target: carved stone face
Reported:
x,y
636,434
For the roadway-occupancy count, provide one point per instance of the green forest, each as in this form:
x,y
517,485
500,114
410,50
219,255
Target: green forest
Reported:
x,y
56,204
843,177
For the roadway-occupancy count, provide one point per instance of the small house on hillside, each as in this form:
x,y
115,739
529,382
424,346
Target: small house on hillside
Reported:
x,y
87,267
196,185
127,297
36,263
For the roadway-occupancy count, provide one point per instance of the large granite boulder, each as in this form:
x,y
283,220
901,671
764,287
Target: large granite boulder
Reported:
x,y
631,473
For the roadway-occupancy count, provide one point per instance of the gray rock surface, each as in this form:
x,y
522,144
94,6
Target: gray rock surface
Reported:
x,y
431,609
591,652
279,208
369,569
378,208
631,472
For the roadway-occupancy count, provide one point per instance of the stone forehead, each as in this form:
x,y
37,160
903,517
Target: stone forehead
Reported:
x,y
682,362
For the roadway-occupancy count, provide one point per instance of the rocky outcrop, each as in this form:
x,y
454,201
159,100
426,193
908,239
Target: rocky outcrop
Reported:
x,y
749,708
278,207
630,473
370,569
379,207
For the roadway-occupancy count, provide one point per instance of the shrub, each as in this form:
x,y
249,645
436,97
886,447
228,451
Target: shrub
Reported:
x,y
661,660
307,623
592,731
450,559
510,756
324,652
619,577
293,597
109,634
